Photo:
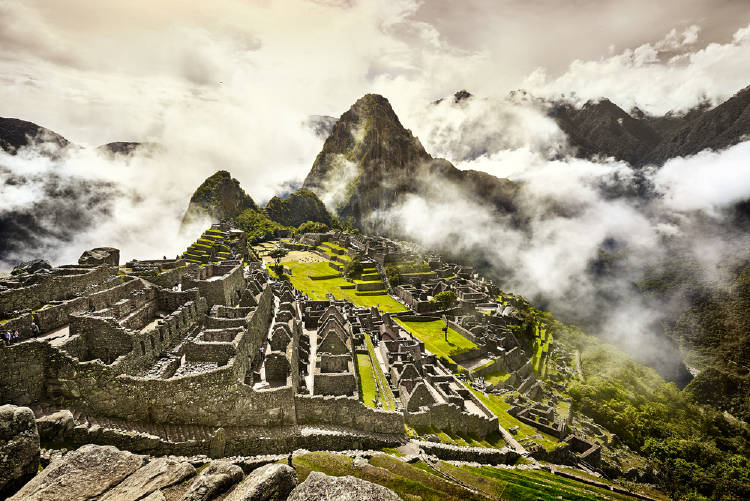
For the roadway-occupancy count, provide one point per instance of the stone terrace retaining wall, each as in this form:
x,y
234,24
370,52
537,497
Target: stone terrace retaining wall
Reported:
x,y
448,452
56,287
450,417
347,411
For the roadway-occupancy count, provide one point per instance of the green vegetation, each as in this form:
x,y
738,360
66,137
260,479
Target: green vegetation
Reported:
x,y
387,400
542,341
393,274
496,377
444,299
698,451
354,267
404,479
500,483
317,289
499,408
206,250
311,227
258,227
420,480
301,207
431,333
367,385
222,197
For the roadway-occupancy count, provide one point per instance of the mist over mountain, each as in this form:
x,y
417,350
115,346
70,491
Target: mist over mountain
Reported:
x,y
16,134
370,161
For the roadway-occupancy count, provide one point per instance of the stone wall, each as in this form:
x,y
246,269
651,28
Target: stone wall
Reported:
x,y
55,287
54,316
222,290
449,417
484,455
23,373
347,411
169,300
334,384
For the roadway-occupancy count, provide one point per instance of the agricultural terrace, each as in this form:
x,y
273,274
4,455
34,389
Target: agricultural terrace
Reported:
x,y
542,340
317,289
430,482
526,433
433,337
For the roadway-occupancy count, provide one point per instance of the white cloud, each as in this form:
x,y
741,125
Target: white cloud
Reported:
x,y
668,75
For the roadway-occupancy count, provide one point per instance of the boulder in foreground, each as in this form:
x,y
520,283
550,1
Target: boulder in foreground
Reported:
x,y
322,487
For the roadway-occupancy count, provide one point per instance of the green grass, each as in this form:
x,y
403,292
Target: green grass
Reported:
x,y
387,400
367,385
404,479
334,246
431,333
317,289
495,440
526,484
499,408
412,481
542,346
496,377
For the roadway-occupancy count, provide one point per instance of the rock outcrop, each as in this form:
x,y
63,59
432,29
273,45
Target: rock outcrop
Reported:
x,y
53,427
268,483
215,479
29,267
157,474
85,473
19,448
99,256
323,487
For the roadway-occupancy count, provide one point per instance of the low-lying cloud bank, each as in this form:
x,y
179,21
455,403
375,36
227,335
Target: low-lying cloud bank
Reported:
x,y
588,235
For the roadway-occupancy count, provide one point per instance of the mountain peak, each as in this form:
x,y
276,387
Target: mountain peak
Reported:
x,y
370,160
220,196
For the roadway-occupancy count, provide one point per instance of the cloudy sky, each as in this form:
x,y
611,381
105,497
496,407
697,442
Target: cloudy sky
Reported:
x,y
198,73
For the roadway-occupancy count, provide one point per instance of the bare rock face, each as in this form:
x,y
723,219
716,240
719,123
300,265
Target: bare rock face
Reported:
x,y
19,448
268,483
29,267
157,474
99,256
322,487
217,478
82,474
55,426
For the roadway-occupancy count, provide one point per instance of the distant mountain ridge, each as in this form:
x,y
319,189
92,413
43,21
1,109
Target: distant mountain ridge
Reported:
x,y
601,128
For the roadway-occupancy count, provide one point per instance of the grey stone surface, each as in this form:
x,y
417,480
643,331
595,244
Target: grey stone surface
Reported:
x,y
55,426
267,483
82,474
215,479
99,256
19,447
323,487
155,475
31,267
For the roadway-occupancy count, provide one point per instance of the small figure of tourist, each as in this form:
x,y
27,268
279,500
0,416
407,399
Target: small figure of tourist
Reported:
x,y
6,337
289,458
34,329
16,337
